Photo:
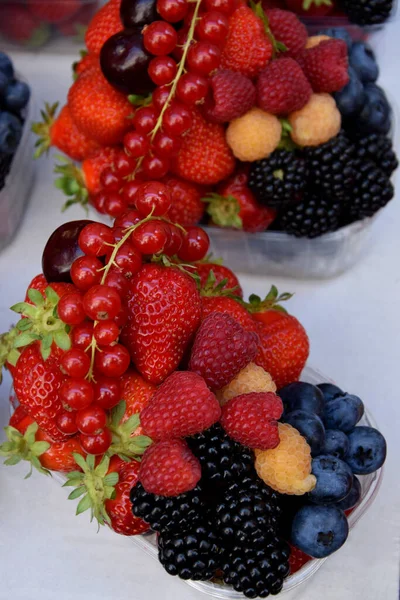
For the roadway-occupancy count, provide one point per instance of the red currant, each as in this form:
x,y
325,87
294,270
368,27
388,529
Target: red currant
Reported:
x,y
66,422
150,237
160,97
118,235
124,165
225,6
98,201
109,180
155,167
81,335
129,191
101,303
159,38
122,317
112,361
172,11
106,332
70,308
114,204
86,271
91,420
75,363
130,218
192,88
93,239
213,27
162,70
115,279
153,197
128,260
165,145
96,444
76,393
203,58
182,39
175,240
195,245
145,119
136,143
107,392
177,119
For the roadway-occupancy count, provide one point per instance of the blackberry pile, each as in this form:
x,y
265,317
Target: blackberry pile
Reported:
x,y
372,191
311,217
377,148
367,12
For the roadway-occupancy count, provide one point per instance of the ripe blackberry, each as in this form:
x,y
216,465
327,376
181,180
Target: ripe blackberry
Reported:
x,y
196,554
173,514
5,165
257,572
279,179
367,12
331,167
372,191
377,148
222,459
310,218
249,513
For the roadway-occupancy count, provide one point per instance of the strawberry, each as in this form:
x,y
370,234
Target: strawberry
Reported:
x,y
252,419
232,94
169,468
247,48
136,391
62,133
20,419
18,25
228,306
183,405
105,23
40,284
204,156
76,25
164,311
187,208
98,110
297,559
53,12
221,349
212,274
87,61
310,8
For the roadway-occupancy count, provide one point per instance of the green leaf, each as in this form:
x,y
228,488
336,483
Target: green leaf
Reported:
x,y
13,460
52,295
76,493
24,325
80,461
36,297
74,482
23,308
102,467
47,341
131,424
118,412
45,353
84,504
90,461
111,479
62,340
72,474
25,339
39,448
30,433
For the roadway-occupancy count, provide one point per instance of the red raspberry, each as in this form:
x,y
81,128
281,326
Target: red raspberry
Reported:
x,y
169,468
297,559
221,349
232,94
326,66
282,87
182,406
288,29
251,419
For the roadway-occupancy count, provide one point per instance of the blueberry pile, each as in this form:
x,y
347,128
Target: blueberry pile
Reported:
x,y
14,97
327,417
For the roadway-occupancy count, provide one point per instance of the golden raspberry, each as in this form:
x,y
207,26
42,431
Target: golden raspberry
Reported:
x,y
314,40
317,122
287,468
254,135
250,379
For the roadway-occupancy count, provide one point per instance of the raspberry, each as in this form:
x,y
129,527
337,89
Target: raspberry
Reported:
x,y
254,135
282,87
230,306
169,468
287,29
314,40
221,349
182,405
251,419
232,95
326,66
250,379
317,122
287,468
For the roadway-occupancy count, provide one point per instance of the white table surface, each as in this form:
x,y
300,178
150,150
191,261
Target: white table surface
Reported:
x,y
354,326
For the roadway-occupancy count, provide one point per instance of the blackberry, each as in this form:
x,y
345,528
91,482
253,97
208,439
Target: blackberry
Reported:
x,y
222,459
367,12
372,191
257,572
249,512
311,218
175,514
196,554
377,148
5,165
331,167
279,179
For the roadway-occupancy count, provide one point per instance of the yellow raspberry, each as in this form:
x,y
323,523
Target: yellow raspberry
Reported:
x,y
315,40
254,135
317,122
287,468
250,379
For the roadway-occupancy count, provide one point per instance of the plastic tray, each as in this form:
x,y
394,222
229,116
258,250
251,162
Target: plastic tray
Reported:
x,y
356,30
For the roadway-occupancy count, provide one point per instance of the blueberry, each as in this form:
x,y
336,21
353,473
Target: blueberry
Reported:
x,y
330,391
310,426
363,61
343,412
334,479
319,530
10,132
350,99
4,81
367,450
6,66
336,443
353,497
376,115
302,396
338,33
16,96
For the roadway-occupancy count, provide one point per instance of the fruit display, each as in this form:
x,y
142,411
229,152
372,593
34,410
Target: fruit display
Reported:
x,y
172,406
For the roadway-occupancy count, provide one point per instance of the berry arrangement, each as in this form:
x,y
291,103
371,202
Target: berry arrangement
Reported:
x,y
14,97
144,377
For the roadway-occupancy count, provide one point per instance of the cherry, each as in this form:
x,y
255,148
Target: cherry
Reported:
x,y
136,144
107,392
66,422
177,119
106,332
213,27
174,241
96,444
101,303
91,420
86,271
162,70
109,180
155,167
76,393
61,250
172,11
153,197
225,6
160,97
70,308
145,118
195,245
124,165
75,363
137,13
114,204
129,192
150,237
165,145
192,88
81,335
203,58
159,38
128,260
115,279
94,238
112,361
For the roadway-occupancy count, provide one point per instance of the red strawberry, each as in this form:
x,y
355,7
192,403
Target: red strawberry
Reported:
x,y
326,66
221,349
282,87
164,311
247,48
40,283
105,23
204,157
86,62
136,391
287,29
182,406
20,419
169,468
311,8
232,95
18,25
219,274
78,23
187,208
252,419
229,306
297,559
53,12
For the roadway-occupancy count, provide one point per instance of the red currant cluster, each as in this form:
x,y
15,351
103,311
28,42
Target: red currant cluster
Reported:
x,y
96,312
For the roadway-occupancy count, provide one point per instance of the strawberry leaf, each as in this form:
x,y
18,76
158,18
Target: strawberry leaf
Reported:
x,y
111,479
77,492
83,505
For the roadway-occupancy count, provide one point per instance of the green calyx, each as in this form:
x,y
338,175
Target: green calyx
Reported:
x,y
24,447
43,129
286,142
94,485
71,182
259,11
126,445
41,323
138,100
271,301
224,210
212,288
307,4
8,353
